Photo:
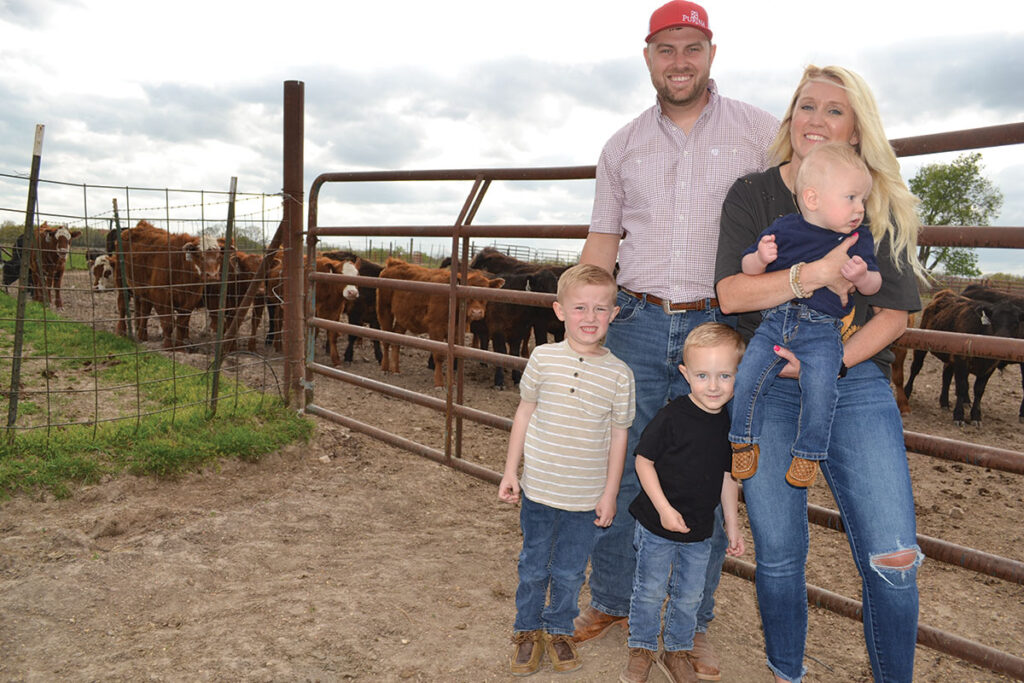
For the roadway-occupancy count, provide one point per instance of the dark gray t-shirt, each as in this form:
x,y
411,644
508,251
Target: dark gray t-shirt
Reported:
x,y
754,202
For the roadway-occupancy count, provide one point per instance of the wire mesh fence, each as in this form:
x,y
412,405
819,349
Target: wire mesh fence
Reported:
x,y
94,331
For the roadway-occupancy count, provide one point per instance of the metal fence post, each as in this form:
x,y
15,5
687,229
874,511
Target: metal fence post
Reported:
x,y
29,246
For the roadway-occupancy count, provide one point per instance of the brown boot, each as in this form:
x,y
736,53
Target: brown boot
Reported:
x,y
801,472
744,460
593,624
528,652
562,653
638,668
703,659
677,667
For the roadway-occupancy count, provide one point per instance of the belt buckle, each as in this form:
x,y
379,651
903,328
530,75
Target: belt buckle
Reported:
x,y
667,307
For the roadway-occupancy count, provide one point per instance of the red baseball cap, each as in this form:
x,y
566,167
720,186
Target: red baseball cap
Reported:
x,y
679,14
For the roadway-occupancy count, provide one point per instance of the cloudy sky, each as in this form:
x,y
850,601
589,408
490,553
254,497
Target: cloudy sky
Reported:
x,y
189,94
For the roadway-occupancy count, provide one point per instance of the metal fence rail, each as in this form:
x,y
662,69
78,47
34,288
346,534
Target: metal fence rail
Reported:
x,y
463,230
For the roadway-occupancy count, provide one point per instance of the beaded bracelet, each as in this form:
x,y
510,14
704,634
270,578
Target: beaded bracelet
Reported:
x,y
794,281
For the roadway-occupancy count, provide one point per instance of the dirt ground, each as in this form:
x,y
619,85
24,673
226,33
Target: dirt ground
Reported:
x,y
348,559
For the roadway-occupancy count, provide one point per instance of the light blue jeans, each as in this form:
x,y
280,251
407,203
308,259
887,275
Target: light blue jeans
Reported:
x,y
552,566
650,341
867,472
665,567
816,339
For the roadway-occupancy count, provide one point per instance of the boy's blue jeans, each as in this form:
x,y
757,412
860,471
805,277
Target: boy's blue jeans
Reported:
x,y
816,340
665,567
650,342
556,545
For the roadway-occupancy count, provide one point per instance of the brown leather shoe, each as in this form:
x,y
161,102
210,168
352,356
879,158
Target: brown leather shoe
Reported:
x,y
801,472
744,460
638,668
703,658
593,624
562,653
528,652
677,667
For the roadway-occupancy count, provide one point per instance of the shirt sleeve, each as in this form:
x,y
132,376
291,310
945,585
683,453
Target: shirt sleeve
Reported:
x,y
608,193
624,408
529,383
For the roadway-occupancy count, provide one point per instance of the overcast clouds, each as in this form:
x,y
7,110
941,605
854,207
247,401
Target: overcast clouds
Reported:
x,y
137,96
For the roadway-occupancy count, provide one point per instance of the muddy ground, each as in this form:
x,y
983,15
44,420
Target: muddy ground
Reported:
x,y
348,559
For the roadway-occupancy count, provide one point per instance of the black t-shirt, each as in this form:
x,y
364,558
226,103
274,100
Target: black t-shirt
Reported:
x,y
690,451
753,203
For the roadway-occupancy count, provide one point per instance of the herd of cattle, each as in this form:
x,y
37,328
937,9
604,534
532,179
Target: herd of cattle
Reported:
x,y
170,275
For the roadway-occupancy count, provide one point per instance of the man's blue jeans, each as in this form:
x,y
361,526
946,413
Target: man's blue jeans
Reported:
x,y
665,567
556,544
867,472
650,341
816,340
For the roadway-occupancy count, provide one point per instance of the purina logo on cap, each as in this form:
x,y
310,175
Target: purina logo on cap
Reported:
x,y
679,14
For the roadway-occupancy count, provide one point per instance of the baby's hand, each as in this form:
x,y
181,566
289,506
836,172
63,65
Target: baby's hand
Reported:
x,y
854,269
767,250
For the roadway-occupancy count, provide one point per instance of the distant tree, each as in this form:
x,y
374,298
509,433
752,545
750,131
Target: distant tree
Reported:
x,y
955,194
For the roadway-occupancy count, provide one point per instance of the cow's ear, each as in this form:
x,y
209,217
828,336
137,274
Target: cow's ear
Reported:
x,y
496,283
48,237
190,250
75,233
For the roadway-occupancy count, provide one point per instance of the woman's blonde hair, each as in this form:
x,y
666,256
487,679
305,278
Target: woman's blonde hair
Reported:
x,y
891,206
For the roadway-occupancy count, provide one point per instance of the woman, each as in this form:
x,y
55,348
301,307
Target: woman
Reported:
x,y
867,465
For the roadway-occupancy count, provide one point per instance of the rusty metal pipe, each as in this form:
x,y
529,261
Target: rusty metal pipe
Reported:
x,y
975,345
972,236
387,437
959,451
431,402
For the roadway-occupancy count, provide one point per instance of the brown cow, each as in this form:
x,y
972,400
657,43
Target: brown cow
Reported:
x,y
898,361
53,245
166,273
953,313
415,312
331,298
242,269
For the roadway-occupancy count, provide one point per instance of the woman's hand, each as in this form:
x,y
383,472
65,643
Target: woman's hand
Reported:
x,y
792,367
827,271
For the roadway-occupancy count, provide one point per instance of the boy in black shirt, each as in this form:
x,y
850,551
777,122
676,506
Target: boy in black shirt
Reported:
x,y
683,461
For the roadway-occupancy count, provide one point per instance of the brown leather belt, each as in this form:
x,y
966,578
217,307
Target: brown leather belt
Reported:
x,y
699,305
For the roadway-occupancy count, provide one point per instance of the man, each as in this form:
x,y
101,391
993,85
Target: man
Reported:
x,y
661,181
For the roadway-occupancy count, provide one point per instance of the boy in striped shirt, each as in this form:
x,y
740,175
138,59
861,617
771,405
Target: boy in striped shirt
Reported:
x,y
570,432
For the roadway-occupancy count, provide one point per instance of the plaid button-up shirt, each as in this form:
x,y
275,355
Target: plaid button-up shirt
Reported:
x,y
663,191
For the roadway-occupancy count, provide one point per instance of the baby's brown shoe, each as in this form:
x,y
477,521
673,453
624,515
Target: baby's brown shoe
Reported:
x,y
801,472
744,460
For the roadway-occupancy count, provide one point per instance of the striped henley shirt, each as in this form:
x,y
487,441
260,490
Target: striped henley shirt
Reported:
x,y
579,398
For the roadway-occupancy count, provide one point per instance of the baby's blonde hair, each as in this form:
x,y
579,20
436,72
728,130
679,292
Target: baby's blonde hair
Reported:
x,y
585,274
815,168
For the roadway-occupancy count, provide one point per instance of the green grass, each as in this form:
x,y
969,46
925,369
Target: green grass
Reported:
x,y
177,435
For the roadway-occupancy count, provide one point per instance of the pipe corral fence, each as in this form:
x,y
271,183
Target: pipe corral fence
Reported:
x,y
454,410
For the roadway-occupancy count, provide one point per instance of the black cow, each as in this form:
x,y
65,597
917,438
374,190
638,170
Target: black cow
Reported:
x,y
494,261
12,266
993,296
507,326
950,312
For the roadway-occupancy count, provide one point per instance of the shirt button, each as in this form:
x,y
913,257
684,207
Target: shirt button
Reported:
x,y
572,391
575,374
